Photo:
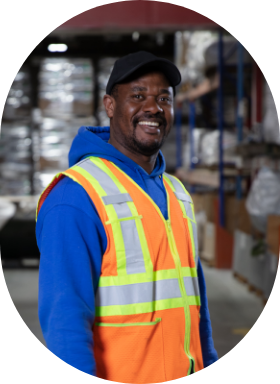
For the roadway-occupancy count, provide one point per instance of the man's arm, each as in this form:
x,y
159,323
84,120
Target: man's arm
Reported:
x,y
71,243
208,351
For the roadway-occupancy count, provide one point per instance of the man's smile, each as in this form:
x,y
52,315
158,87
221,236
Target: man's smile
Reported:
x,y
149,127
149,123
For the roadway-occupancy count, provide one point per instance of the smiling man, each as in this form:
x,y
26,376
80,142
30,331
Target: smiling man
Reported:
x,y
121,289
141,113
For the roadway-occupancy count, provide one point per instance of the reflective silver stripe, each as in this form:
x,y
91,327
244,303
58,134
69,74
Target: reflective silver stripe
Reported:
x,y
117,199
144,292
182,195
133,250
103,179
134,255
194,230
191,286
187,203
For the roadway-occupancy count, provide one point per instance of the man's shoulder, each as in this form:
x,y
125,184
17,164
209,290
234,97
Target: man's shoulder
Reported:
x,y
67,193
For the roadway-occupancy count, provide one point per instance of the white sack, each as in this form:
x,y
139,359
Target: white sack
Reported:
x,y
264,198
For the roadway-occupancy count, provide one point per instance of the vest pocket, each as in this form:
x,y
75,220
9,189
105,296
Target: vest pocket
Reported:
x,y
128,324
129,352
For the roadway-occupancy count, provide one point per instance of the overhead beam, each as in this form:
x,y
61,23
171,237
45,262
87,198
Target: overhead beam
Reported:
x,y
137,15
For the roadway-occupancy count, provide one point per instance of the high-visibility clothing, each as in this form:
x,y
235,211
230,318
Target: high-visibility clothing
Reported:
x,y
146,328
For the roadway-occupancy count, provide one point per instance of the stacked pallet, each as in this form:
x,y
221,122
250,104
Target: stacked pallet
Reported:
x,y
255,258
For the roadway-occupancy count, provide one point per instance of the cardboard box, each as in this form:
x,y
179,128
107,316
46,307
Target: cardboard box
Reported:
x,y
270,271
209,247
236,215
243,220
205,202
242,254
273,234
208,206
197,202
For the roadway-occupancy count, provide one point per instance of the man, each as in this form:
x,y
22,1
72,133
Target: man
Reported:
x,y
120,282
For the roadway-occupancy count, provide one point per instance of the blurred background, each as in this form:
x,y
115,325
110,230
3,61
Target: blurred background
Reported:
x,y
224,146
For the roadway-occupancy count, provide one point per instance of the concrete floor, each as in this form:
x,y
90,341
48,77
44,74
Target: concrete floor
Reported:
x,y
233,308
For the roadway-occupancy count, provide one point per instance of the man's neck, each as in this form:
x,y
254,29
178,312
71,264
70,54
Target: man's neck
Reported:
x,y
146,162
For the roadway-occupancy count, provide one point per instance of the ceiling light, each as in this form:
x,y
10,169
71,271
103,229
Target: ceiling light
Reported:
x,y
135,36
57,48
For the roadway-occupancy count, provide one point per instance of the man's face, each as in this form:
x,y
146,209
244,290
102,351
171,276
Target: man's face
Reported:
x,y
142,113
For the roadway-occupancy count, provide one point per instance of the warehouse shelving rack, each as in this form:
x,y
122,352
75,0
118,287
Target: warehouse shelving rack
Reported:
x,y
220,127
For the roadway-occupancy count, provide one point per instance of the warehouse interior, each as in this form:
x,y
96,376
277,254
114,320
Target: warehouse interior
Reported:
x,y
224,147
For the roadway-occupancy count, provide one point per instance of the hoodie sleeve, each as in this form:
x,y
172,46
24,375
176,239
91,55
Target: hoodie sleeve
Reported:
x,y
72,241
207,345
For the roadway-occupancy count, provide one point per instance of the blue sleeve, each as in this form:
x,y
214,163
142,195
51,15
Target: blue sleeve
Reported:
x,y
72,241
208,351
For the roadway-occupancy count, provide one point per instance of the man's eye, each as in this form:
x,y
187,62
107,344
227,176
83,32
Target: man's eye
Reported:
x,y
165,99
137,96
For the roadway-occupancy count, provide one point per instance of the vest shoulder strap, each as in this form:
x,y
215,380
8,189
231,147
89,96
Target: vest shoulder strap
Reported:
x,y
59,176
47,191
182,195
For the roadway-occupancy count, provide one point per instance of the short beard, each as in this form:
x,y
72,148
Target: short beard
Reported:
x,y
144,148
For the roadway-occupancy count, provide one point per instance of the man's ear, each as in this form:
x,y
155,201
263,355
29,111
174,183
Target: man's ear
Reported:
x,y
109,103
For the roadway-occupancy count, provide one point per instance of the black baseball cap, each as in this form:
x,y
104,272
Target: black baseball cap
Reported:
x,y
127,65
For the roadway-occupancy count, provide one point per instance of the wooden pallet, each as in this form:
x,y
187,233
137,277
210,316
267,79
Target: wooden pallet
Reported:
x,y
251,288
240,278
264,301
257,291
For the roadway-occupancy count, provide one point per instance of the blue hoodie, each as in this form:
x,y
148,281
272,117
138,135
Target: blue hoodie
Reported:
x,y
72,241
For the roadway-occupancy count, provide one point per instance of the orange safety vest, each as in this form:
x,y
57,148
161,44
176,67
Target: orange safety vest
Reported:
x,y
146,327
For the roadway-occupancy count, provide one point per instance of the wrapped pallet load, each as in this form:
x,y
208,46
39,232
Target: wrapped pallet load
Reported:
x,y
253,253
105,67
66,101
7,211
16,143
270,121
264,198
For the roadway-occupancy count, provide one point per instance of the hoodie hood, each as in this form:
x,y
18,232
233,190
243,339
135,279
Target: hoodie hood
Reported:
x,y
93,141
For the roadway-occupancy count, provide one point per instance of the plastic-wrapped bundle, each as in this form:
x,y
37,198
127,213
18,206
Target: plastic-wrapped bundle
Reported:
x,y
197,138
18,103
15,159
54,141
206,147
66,87
189,56
264,198
105,67
270,121
210,147
66,103
7,211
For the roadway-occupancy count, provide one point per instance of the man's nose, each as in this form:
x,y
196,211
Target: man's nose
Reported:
x,y
152,105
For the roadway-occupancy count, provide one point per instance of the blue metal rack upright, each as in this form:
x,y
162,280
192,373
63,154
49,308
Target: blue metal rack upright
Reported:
x,y
239,122
178,124
191,129
240,110
220,115
221,128
191,139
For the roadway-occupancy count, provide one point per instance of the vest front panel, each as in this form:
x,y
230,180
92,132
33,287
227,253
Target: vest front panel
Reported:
x,y
147,304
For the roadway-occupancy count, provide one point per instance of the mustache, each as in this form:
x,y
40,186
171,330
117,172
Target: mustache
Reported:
x,y
160,119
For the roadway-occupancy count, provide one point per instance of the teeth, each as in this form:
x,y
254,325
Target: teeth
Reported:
x,y
151,123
